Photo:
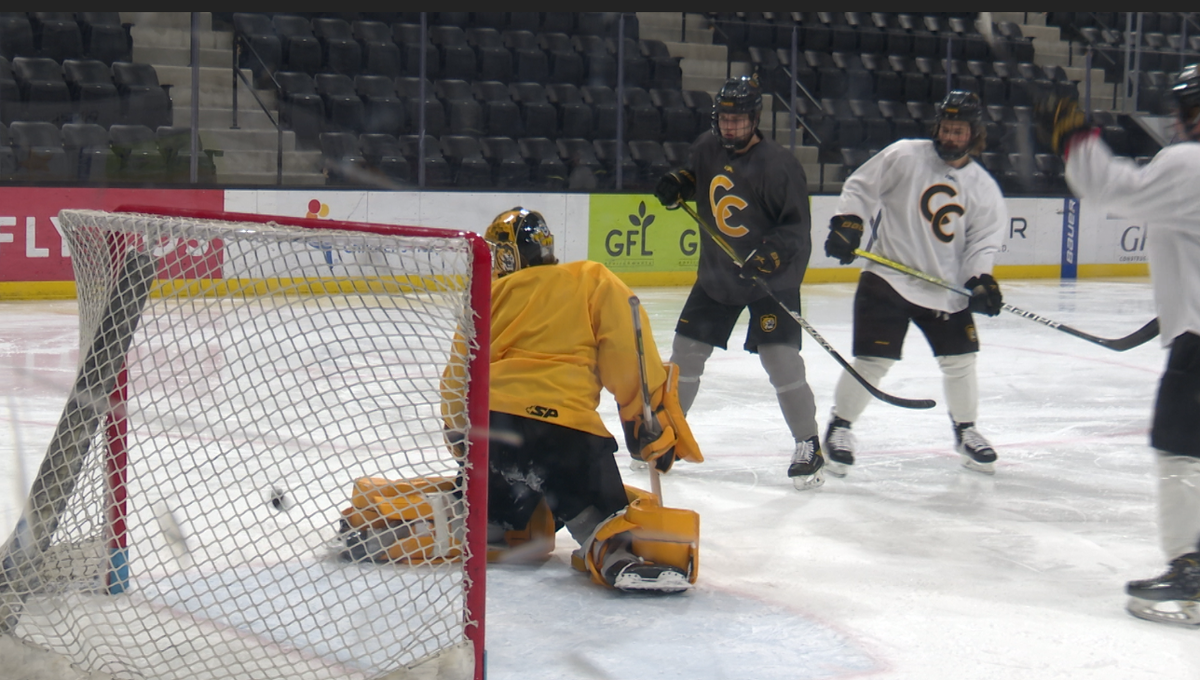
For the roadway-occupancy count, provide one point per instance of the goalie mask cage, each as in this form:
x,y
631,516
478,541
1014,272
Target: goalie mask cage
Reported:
x,y
241,376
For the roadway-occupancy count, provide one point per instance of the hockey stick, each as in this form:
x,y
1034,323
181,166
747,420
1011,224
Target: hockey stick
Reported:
x,y
87,406
648,420
1138,337
737,259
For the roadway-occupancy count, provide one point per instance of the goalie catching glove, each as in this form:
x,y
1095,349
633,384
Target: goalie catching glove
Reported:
x,y
1057,120
669,436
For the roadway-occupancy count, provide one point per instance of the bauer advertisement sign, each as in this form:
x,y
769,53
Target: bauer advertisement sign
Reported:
x,y
635,237
32,250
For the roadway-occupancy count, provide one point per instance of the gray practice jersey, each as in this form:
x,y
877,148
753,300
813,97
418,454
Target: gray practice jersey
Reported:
x,y
947,222
1163,193
761,194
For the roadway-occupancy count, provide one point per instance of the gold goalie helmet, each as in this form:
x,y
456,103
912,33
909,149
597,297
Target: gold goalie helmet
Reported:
x,y
519,238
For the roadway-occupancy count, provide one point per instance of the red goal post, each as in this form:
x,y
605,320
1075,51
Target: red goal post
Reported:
x,y
247,385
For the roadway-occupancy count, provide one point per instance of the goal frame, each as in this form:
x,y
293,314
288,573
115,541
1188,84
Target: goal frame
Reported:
x,y
115,427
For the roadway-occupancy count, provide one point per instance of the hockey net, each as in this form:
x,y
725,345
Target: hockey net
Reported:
x,y
254,476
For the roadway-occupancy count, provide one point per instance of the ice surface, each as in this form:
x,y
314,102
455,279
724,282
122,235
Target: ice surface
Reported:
x,y
909,568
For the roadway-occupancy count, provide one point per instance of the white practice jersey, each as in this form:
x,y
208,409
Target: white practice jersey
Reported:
x,y
1163,192
947,222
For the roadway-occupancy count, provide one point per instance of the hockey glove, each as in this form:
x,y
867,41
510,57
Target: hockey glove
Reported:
x,y
655,445
845,233
985,295
764,260
675,187
1057,120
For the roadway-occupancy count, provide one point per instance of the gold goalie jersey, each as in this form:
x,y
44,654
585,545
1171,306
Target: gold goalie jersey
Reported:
x,y
560,333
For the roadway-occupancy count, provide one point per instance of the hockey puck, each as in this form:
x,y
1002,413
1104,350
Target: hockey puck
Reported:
x,y
278,499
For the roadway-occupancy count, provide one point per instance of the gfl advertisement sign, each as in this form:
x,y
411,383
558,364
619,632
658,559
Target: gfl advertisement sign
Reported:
x,y
633,233
32,249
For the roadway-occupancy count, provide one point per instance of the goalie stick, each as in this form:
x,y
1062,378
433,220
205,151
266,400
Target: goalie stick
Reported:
x,y
648,420
739,261
1138,337
86,407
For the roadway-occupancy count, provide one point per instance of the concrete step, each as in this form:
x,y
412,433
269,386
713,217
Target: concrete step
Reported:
x,y
268,179
254,161
181,56
166,20
671,27
181,95
709,84
711,68
237,140
1041,33
181,38
217,118
691,50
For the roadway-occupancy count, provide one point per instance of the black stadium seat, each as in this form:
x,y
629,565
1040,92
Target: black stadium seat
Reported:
x,y
39,151
340,50
44,92
301,49
89,151
381,54
384,158
509,169
262,51
143,100
105,37
93,93
383,111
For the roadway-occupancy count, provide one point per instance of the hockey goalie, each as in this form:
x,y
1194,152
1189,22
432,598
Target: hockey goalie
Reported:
x,y
560,334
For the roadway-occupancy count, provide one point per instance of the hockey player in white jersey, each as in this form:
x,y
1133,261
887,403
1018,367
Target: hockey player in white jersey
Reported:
x,y
941,213
1163,193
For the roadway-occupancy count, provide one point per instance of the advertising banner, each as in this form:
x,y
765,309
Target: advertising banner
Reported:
x,y
641,241
35,260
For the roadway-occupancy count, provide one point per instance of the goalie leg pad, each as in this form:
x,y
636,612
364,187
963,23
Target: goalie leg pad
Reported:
x,y
534,543
411,520
666,537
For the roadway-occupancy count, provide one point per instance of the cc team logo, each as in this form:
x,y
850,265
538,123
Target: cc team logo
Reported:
x,y
768,322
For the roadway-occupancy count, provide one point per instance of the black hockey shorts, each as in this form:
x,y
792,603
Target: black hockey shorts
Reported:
x,y
1176,427
708,321
881,317
529,459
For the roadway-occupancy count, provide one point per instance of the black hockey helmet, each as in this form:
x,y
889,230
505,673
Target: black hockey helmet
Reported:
x,y
737,95
519,238
964,106
1186,90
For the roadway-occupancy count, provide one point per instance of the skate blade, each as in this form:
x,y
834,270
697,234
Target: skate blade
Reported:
x,y
806,482
638,465
1173,612
667,582
837,469
972,464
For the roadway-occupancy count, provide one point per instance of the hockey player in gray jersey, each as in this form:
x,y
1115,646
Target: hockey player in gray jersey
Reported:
x,y
1163,193
943,214
755,193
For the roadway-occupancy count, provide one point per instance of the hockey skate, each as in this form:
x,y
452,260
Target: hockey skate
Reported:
x,y
634,576
637,464
806,465
977,454
1171,598
839,446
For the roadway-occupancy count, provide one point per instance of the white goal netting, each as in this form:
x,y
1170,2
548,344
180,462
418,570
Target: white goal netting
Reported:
x,y
253,476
